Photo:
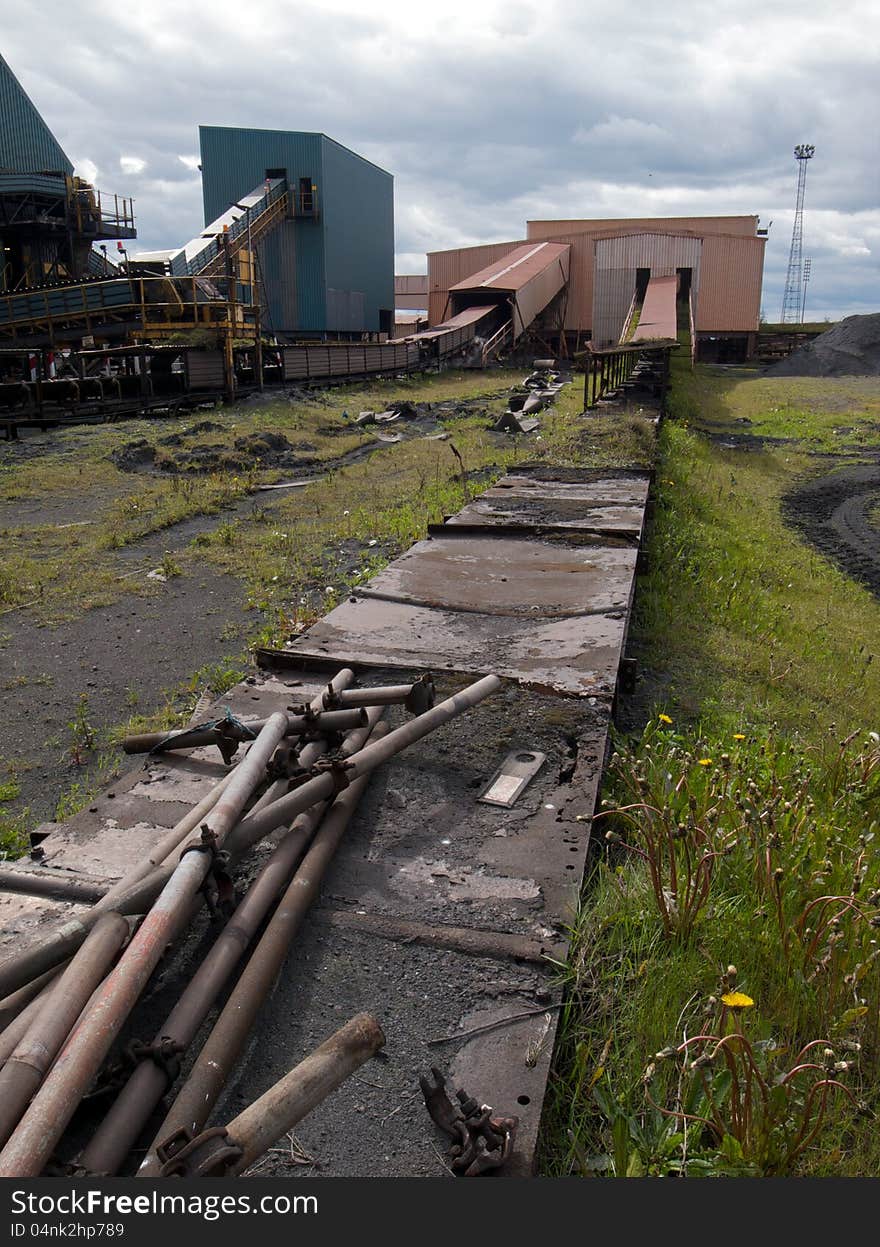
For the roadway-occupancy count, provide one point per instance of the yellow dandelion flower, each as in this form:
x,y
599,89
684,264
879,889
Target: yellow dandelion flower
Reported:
x,y
737,1000
739,736
704,762
664,718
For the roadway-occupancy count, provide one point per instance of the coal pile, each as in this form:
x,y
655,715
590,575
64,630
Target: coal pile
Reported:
x,y
850,349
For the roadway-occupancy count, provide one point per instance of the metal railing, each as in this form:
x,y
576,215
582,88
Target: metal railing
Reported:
x,y
492,346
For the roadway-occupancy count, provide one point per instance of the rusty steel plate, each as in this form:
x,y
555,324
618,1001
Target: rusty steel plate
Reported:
x,y
599,490
578,655
509,576
502,506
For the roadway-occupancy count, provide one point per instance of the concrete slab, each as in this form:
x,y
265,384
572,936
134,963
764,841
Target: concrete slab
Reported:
x,y
578,655
510,576
507,507
590,485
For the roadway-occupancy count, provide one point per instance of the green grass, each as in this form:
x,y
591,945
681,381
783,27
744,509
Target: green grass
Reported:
x,y
764,769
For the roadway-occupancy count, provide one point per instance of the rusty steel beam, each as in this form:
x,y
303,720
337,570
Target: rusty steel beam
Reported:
x,y
228,1152
27,1066
34,1139
117,1133
224,1045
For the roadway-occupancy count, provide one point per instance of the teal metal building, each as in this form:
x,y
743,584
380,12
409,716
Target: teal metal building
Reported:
x,y
329,267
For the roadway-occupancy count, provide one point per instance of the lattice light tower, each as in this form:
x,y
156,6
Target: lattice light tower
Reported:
x,y
792,300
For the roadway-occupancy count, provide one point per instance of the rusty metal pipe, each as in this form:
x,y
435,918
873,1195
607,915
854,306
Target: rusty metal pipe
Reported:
x,y
31,1145
120,1128
172,840
27,1066
390,695
12,1006
324,722
278,1110
56,887
117,1133
255,826
224,1045
39,964
65,939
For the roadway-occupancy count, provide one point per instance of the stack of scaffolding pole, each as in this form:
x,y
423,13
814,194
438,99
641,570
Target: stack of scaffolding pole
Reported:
x,y
165,891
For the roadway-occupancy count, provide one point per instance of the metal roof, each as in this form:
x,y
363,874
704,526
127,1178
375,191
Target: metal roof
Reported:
x,y
517,269
27,145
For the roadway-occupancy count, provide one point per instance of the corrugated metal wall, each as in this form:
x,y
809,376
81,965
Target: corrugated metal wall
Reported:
x,y
357,215
615,278
447,268
411,283
27,145
582,236
345,310
234,161
411,291
731,264
730,285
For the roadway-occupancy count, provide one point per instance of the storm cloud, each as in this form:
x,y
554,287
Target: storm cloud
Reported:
x,y
491,113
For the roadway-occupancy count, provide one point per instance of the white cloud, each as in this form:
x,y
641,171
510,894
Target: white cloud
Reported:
x,y
494,112
86,169
132,164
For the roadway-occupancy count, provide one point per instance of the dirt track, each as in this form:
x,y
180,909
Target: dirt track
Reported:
x,y
837,514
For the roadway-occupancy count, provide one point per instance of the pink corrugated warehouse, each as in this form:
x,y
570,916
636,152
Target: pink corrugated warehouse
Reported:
x,y
718,262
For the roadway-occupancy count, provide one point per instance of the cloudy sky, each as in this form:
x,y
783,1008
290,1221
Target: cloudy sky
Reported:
x,y
490,113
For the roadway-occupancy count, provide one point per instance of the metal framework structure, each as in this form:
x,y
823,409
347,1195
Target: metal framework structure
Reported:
x,y
793,298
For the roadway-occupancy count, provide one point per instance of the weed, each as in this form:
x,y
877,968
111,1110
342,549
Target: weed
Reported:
x,y
169,566
82,734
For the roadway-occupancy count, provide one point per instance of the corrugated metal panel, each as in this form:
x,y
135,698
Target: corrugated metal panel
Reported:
x,y
411,292
447,268
357,209
616,261
234,160
611,301
33,184
541,289
579,299
469,316
345,310
663,254
411,283
204,370
729,298
438,305
743,225
27,145
410,302
339,360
